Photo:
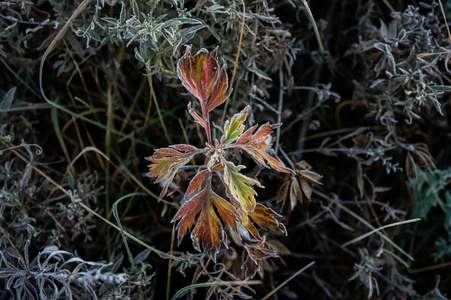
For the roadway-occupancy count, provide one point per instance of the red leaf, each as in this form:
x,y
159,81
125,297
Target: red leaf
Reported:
x,y
260,252
201,76
250,268
210,71
208,230
254,259
189,70
183,147
187,213
196,182
196,117
219,93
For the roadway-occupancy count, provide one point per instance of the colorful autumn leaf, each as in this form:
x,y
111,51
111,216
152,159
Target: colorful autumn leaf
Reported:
x,y
255,256
219,93
267,218
196,183
167,161
202,76
256,144
208,230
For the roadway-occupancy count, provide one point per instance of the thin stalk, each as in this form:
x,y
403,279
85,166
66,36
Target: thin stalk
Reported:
x,y
363,221
158,110
315,28
208,129
378,229
168,285
236,60
220,283
109,124
279,110
288,280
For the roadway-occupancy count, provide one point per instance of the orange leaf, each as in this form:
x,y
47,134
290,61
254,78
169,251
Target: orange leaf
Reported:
x,y
208,230
210,71
266,218
197,118
256,144
226,210
187,213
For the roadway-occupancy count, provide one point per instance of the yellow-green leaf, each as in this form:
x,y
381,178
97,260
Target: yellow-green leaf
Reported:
x,y
234,128
240,186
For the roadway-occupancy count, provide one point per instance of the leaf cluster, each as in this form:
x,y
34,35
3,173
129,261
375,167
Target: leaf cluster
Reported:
x,y
204,78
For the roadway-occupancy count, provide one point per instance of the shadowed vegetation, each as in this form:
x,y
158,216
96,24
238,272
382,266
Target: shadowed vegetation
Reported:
x,y
292,149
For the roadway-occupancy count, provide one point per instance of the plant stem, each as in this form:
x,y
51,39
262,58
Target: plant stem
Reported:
x,y
207,130
315,28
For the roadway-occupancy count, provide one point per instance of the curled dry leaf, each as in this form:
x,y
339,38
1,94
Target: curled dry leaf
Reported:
x,y
298,185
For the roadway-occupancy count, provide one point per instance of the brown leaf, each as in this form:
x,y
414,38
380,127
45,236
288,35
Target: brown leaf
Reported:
x,y
250,267
210,71
197,118
260,252
186,214
189,70
219,93
295,193
279,247
423,157
209,231
306,189
311,176
303,165
283,192
226,210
